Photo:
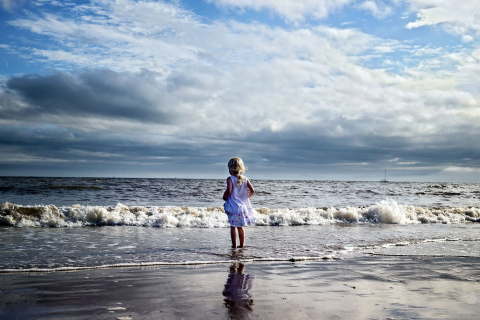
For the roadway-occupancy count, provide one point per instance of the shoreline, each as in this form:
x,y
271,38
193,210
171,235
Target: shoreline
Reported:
x,y
200,264
362,287
162,264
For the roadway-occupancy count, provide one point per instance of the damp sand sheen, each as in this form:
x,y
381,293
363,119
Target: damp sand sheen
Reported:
x,y
143,249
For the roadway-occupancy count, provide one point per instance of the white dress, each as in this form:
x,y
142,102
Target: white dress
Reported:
x,y
238,207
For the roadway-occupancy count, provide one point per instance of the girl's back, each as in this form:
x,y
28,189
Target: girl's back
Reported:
x,y
239,191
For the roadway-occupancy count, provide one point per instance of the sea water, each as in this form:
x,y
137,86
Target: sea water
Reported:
x,y
49,224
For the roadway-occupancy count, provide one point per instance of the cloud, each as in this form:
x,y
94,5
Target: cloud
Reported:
x,y
162,35
457,17
291,10
99,93
284,113
124,33
11,5
379,12
162,84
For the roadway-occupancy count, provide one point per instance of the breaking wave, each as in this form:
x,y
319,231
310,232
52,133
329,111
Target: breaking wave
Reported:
x,y
386,211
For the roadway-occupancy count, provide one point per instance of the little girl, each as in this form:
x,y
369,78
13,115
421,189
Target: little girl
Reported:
x,y
237,203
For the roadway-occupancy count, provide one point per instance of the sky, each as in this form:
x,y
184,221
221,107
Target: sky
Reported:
x,y
312,89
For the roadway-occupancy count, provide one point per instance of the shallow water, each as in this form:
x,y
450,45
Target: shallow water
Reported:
x,y
166,221
41,248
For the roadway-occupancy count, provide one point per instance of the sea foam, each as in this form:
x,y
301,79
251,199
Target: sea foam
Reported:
x,y
386,211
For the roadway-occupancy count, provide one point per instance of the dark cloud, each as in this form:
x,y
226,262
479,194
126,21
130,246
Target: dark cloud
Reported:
x,y
59,123
51,150
302,147
98,93
295,152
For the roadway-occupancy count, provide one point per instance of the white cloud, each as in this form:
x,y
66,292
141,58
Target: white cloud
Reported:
x,y
462,169
291,10
119,35
457,17
467,38
277,77
377,11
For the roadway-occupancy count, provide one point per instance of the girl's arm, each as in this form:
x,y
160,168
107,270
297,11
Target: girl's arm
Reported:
x,y
251,191
229,189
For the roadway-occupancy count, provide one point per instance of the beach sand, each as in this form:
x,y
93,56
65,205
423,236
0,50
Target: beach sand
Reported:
x,y
367,287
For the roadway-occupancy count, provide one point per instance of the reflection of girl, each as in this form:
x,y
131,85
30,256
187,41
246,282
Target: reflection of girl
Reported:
x,y
238,299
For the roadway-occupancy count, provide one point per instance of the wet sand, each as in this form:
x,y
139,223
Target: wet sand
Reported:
x,y
356,288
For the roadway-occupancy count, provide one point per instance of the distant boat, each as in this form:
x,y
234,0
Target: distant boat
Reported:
x,y
385,180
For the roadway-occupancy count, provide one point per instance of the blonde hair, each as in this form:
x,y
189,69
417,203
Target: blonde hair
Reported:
x,y
237,166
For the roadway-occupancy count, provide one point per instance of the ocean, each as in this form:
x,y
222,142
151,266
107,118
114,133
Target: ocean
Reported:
x,y
62,224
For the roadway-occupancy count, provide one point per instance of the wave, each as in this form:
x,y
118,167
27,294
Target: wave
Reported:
x,y
386,211
159,263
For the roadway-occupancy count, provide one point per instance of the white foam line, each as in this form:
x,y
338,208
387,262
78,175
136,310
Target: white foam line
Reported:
x,y
386,211
435,240
408,243
154,264
418,255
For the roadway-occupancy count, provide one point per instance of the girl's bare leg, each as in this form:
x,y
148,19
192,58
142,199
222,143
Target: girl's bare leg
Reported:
x,y
233,235
241,235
